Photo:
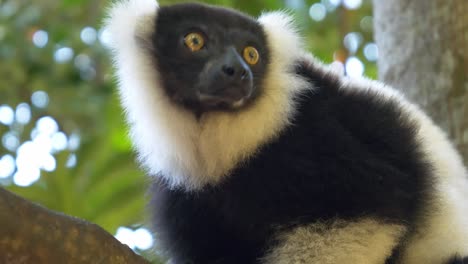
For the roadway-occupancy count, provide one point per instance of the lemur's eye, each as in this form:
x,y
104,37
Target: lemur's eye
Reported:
x,y
251,55
194,41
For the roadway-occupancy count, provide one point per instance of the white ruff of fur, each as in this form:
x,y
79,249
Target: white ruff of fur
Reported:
x,y
169,140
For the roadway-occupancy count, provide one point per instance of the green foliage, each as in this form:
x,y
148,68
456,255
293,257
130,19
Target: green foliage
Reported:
x,y
105,186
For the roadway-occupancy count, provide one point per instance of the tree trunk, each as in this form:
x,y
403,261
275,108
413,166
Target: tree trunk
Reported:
x,y
423,51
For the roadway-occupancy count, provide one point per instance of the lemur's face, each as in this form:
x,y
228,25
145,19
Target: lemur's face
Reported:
x,y
209,59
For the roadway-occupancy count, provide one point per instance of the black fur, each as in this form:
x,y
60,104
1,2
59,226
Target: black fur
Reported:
x,y
458,260
183,73
348,154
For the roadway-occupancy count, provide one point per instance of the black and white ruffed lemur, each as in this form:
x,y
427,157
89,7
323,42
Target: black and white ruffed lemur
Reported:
x,y
261,154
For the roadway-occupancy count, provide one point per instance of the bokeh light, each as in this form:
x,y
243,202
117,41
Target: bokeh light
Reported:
x,y
74,142
88,35
105,37
47,125
330,5
85,65
317,12
7,115
63,55
40,38
82,62
367,24
7,166
10,140
59,141
371,51
335,2
295,4
143,239
26,176
23,113
354,67
140,238
8,8
40,99
71,161
352,4
33,155
352,41
48,163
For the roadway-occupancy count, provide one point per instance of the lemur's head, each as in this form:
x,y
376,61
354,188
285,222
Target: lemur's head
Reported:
x,y
203,86
209,58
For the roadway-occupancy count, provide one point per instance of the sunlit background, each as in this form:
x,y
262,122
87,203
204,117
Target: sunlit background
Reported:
x,y
63,140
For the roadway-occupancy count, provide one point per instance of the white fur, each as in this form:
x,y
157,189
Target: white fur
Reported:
x,y
169,140
444,229
364,241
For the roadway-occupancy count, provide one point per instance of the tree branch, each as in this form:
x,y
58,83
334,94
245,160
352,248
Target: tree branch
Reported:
x,y
30,233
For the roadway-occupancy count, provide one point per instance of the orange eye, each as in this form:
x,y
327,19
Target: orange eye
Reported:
x,y
251,55
194,41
